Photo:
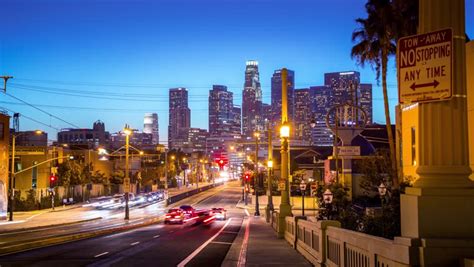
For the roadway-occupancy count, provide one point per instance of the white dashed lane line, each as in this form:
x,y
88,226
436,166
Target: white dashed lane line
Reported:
x,y
101,254
135,243
156,236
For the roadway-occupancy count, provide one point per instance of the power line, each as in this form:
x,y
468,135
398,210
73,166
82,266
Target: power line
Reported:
x,y
32,119
45,112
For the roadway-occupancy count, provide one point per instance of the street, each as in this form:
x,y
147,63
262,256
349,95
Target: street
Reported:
x,y
157,244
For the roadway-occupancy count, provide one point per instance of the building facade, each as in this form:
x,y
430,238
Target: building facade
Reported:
x,y
251,100
179,114
91,138
365,100
150,126
303,114
220,110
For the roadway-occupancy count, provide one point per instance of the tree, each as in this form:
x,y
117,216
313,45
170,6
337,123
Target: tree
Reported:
x,y
375,43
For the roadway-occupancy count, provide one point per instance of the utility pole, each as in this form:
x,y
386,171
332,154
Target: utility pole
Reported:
x,y
5,80
255,183
126,180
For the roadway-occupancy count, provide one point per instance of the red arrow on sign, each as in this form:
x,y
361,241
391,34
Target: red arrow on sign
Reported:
x,y
435,83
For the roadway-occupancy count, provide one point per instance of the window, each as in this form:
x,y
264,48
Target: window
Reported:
x,y
413,146
2,126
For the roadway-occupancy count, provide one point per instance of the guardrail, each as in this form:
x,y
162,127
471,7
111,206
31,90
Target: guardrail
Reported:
x,y
186,194
324,243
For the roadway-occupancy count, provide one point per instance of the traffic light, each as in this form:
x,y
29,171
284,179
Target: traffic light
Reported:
x,y
52,180
247,177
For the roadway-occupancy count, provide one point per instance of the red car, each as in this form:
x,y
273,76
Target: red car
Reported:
x,y
175,216
188,211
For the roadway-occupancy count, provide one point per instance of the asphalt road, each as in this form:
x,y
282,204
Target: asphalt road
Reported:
x,y
155,245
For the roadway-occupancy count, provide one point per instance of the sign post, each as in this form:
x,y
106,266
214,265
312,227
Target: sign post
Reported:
x,y
424,64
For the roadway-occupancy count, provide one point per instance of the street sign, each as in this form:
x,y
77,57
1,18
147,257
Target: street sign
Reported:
x,y
126,185
425,67
348,150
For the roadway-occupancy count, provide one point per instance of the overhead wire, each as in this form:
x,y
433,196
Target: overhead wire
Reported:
x,y
32,119
39,109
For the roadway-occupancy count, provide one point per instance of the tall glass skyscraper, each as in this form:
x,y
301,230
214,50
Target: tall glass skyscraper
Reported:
x,y
150,126
251,100
222,119
179,114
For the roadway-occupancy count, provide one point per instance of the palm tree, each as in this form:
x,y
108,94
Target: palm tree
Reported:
x,y
375,43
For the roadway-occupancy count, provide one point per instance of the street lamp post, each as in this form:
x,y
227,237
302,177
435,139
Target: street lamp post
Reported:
x,y
126,180
255,184
269,208
11,182
303,191
327,198
285,208
382,192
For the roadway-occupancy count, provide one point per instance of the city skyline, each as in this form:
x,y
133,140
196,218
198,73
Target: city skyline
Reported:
x,y
46,67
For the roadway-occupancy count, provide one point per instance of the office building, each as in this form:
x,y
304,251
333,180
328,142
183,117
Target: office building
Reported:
x,y
150,126
251,100
90,138
179,115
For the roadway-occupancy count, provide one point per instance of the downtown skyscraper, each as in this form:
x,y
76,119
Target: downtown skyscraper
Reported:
x,y
150,126
224,117
251,100
179,115
303,114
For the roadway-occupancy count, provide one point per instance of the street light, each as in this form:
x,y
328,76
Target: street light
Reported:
x,y
303,191
11,182
255,183
270,207
382,192
327,198
126,181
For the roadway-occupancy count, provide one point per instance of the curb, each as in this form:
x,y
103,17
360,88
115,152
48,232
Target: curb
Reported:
x,y
232,257
48,226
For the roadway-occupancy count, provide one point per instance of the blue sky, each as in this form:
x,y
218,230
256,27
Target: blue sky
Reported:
x,y
138,49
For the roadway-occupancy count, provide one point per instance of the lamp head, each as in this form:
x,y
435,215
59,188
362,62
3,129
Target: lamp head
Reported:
x,y
285,131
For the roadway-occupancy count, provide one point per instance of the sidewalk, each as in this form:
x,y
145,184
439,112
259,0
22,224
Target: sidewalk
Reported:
x,y
258,245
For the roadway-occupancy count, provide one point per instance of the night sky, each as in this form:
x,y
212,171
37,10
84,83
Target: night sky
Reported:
x,y
115,60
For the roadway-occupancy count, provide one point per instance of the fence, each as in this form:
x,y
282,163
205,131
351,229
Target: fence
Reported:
x,y
324,243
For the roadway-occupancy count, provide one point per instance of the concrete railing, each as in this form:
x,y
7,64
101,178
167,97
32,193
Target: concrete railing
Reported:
x,y
176,198
324,243
274,220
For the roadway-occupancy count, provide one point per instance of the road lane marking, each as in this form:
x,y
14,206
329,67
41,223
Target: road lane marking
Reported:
x,y
220,242
247,212
229,232
199,249
243,249
101,254
156,236
135,243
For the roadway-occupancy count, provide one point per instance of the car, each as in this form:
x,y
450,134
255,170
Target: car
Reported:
x,y
174,215
219,213
204,217
149,197
188,210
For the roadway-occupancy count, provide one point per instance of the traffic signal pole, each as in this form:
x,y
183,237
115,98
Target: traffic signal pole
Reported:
x,y
255,183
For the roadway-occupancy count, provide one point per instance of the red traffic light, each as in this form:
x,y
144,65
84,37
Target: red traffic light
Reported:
x,y
247,177
52,178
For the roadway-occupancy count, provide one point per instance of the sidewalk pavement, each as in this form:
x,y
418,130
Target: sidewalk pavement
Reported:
x,y
258,245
